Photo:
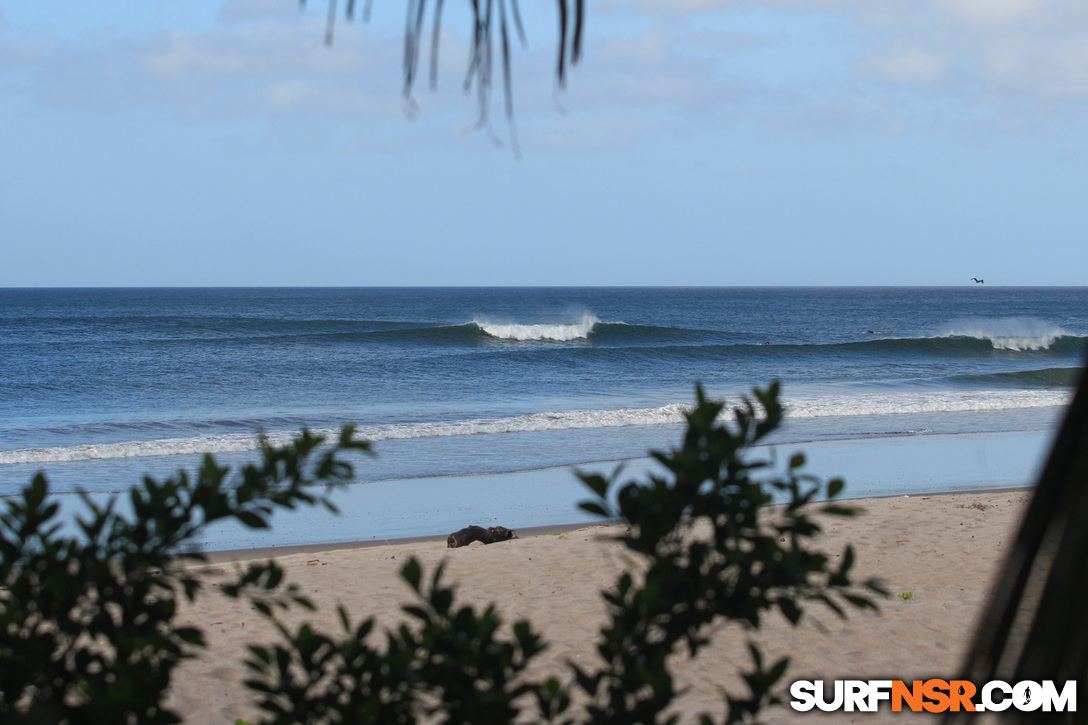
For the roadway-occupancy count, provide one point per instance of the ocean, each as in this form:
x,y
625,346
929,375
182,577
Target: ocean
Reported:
x,y
101,386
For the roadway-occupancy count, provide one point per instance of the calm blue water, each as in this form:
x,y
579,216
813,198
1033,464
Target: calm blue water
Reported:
x,y
98,387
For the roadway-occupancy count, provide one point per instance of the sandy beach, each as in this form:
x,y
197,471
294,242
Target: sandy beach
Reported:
x,y
942,549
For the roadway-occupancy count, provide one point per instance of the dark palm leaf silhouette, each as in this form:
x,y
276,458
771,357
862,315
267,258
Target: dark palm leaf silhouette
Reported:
x,y
1035,626
492,21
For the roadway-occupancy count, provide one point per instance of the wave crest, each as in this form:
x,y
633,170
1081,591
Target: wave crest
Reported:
x,y
1017,334
525,333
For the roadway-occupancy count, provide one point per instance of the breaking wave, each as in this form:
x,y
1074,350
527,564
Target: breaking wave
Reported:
x,y
811,406
523,333
1008,333
237,442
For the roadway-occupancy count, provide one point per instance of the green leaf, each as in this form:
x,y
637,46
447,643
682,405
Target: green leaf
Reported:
x,y
462,658
251,519
779,669
261,654
412,573
595,482
275,576
859,602
847,560
790,609
595,508
190,635
416,611
876,585
834,487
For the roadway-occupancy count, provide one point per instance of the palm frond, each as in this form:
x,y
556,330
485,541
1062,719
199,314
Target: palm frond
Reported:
x,y
491,20
1035,626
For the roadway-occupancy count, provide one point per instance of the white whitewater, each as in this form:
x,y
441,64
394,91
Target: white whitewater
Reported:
x,y
579,330
798,407
1017,334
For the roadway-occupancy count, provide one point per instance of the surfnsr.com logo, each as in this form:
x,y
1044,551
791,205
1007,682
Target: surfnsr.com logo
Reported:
x,y
933,696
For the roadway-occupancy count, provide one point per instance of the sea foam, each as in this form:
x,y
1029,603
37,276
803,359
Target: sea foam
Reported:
x,y
907,402
234,443
800,406
523,333
1007,333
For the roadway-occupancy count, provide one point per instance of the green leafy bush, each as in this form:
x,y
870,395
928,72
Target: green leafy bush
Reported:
x,y
710,551
744,564
88,634
87,631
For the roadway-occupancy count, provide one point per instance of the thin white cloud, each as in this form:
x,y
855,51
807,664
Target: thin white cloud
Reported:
x,y
236,11
1055,70
994,13
666,71
723,42
1019,48
809,66
15,54
912,65
253,63
247,70
680,6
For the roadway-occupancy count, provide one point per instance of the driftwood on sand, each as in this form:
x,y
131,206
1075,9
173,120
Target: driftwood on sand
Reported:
x,y
490,535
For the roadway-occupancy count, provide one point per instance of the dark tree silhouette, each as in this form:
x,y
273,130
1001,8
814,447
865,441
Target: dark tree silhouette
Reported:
x,y
1035,626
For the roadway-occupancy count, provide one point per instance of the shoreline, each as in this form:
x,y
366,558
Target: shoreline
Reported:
x,y
272,552
424,508
436,506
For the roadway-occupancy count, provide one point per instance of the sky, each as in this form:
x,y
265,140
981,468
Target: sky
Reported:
x,y
698,142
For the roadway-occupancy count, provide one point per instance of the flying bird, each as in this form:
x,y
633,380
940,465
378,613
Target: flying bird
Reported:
x,y
978,281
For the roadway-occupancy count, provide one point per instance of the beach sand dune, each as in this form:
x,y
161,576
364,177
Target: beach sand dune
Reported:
x,y
941,550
